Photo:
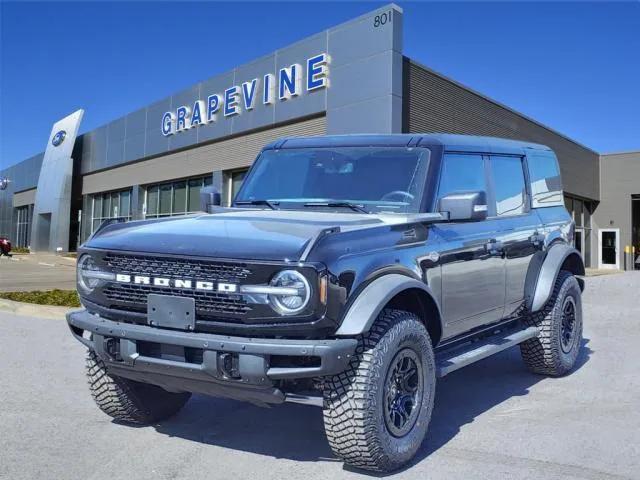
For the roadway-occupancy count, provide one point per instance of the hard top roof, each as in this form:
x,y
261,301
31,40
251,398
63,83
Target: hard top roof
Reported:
x,y
450,142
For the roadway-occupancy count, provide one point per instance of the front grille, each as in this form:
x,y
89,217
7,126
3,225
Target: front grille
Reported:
x,y
133,297
207,303
177,268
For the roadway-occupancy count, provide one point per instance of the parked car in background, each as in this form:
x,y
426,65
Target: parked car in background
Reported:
x,y
5,246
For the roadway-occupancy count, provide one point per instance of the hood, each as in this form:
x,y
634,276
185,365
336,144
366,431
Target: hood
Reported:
x,y
240,234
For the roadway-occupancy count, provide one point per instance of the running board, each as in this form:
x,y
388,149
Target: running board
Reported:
x,y
482,349
313,400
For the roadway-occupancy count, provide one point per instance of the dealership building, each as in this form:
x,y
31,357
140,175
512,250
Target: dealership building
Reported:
x,y
352,78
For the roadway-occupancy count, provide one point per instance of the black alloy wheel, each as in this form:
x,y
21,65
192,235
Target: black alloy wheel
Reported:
x,y
567,329
403,392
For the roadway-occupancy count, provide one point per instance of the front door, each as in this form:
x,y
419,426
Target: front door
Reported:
x,y
473,275
473,263
608,248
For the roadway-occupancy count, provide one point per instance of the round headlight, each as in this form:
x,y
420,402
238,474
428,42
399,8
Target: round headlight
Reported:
x,y
87,270
292,302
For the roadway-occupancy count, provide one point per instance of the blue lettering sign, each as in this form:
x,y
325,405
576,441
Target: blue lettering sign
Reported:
x,y
284,84
268,96
317,72
213,105
196,115
182,113
168,120
249,93
231,101
289,82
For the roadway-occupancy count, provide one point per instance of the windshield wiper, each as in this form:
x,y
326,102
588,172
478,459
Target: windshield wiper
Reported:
x,y
269,204
352,206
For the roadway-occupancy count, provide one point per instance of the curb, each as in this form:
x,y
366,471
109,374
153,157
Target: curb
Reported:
x,y
594,272
33,310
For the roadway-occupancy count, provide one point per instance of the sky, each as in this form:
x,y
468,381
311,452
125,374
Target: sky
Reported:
x,y
574,67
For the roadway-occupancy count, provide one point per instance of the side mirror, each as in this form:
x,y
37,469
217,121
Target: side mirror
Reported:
x,y
463,206
209,197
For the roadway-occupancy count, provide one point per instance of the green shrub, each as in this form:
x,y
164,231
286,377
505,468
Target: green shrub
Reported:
x,y
19,250
60,298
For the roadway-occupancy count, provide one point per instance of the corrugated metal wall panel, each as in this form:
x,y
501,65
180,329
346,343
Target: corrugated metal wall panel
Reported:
x,y
24,198
434,103
228,154
619,177
22,176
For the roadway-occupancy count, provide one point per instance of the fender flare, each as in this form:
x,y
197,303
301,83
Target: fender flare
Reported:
x,y
556,256
373,298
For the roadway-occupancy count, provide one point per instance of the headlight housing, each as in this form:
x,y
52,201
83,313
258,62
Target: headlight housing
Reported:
x,y
89,275
294,292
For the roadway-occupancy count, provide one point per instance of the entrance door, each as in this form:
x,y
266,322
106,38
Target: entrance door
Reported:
x,y
609,246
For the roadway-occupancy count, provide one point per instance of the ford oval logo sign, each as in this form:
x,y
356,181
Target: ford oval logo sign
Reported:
x,y
58,138
4,183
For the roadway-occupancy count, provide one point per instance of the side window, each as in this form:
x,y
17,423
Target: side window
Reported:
x,y
509,185
546,185
461,172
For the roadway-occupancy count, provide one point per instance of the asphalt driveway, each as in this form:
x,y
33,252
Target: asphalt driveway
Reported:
x,y
37,272
492,420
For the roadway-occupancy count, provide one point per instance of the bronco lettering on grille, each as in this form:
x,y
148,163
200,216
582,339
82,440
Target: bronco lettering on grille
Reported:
x,y
177,283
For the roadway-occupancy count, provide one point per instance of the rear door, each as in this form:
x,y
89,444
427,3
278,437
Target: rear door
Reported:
x,y
518,225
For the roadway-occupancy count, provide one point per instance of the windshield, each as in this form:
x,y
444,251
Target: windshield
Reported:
x,y
389,179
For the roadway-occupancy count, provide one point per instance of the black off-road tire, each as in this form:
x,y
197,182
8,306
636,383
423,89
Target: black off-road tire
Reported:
x,y
354,401
546,354
129,401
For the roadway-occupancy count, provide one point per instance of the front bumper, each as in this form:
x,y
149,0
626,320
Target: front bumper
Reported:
x,y
236,367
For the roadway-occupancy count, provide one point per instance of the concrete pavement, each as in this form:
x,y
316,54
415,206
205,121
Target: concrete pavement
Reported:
x,y
492,420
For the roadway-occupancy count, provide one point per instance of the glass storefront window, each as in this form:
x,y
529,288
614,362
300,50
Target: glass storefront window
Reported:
x,y
152,201
179,197
580,211
106,207
110,205
194,194
115,205
175,198
97,206
236,182
164,206
568,203
577,212
232,183
125,203
23,226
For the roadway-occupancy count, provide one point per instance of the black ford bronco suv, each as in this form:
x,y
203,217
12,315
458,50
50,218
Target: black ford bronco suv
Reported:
x,y
350,272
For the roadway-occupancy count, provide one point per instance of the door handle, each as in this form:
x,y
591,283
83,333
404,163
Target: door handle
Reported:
x,y
494,247
537,238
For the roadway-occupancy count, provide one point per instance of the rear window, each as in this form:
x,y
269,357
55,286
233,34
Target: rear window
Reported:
x,y
544,175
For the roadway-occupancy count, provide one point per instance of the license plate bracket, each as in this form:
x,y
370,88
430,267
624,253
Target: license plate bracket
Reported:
x,y
167,311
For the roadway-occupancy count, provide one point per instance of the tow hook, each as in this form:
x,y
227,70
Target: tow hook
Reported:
x,y
112,349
